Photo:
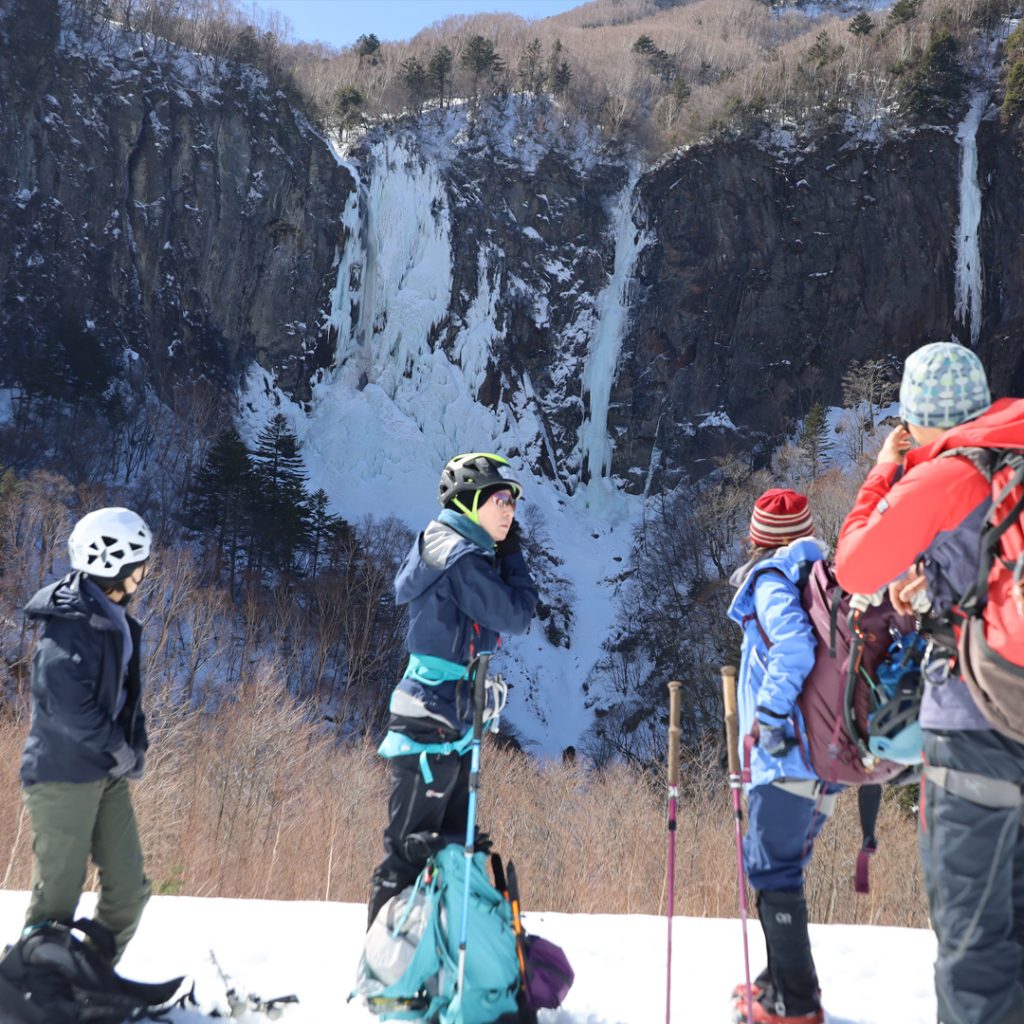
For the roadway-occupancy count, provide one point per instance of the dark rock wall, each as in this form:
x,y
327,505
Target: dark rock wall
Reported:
x,y
179,205
188,211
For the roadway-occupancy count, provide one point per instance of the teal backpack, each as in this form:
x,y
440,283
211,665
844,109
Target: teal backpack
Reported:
x,y
409,967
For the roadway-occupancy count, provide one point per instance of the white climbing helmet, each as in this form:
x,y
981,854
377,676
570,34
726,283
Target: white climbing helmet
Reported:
x,y
109,543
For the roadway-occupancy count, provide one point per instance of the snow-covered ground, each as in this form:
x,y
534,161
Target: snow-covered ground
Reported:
x,y
868,975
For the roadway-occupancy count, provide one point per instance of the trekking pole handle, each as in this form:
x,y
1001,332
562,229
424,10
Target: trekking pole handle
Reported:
x,y
732,732
674,697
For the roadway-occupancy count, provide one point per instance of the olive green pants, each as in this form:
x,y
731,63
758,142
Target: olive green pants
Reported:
x,y
70,821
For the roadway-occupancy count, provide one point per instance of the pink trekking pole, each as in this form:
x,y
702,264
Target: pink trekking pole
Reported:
x,y
673,795
732,741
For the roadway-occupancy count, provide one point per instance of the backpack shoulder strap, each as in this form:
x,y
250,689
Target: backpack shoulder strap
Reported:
x,y
989,462
983,459
752,616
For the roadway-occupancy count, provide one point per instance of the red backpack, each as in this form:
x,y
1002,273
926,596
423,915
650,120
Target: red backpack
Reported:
x,y
989,617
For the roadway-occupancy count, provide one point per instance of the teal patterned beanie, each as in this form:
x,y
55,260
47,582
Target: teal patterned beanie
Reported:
x,y
943,384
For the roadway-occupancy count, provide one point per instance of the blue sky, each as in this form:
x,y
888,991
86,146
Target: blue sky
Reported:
x,y
341,22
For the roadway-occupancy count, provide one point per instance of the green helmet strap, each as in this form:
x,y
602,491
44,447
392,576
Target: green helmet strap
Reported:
x,y
472,513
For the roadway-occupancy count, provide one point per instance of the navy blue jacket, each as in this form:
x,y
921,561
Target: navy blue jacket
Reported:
x,y
452,580
77,678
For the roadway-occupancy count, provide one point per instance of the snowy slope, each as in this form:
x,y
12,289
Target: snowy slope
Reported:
x,y
868,975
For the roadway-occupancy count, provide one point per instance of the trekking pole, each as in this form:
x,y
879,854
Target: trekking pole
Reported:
x,y
732,741
479,694
673,793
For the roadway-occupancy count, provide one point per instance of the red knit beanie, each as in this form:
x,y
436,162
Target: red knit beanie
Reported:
x,y
780,516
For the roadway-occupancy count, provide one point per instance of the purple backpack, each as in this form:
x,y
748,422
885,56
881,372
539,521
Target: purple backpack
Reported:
x,y
548,974
834,755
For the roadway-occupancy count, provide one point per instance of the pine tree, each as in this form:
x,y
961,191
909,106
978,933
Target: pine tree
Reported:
x,y
559,71
936,87
280,519
368,45
222,499
657,60
481,59
903,11
1013,96
680,91
439,71
861,24
531,71
815,441
415,79
822,51
324,533
347,104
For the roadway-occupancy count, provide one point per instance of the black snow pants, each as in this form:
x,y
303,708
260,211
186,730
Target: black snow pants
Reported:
x,y
418,809
972,853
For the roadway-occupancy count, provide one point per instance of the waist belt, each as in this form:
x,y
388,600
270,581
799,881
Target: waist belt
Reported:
x,y
979,789
396,744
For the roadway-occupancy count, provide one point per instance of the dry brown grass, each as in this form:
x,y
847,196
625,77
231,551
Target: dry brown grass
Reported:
x,y
252,801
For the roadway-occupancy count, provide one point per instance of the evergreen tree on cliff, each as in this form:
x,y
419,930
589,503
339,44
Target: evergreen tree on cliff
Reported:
x,y
222,500
280,514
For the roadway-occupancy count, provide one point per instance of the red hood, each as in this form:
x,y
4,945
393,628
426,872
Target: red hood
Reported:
x,y
1001,427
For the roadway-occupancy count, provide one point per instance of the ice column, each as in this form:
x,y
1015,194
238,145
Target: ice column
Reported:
x,y
967,285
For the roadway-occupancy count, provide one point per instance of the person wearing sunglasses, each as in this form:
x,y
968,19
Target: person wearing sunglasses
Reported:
x,y
465,582
88,737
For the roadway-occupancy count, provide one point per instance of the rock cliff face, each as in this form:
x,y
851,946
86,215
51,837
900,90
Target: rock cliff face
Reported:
x,y
775,269
626,321
179,205
1001,171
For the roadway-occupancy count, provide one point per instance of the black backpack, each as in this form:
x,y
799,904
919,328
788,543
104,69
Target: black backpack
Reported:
x,y
52,976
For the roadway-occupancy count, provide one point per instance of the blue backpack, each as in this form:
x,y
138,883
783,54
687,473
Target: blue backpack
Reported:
x,y
409,967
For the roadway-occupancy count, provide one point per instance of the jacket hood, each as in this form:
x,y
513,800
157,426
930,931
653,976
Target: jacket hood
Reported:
x,y
442,543
67,599
791,560
1001,427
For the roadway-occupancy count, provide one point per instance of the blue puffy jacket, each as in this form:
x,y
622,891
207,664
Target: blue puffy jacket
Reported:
x,y
773,677
460,599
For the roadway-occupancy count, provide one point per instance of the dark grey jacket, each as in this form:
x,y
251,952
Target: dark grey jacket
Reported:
x,y
77,678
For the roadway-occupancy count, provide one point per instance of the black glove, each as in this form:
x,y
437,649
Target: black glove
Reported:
x,y
140,766
512,544
417,847
124,761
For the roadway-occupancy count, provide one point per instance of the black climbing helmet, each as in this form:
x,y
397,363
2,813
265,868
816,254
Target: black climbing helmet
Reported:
x,y
466,477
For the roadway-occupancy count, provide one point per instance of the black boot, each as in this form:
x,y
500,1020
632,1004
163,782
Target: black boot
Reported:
x,y
794,981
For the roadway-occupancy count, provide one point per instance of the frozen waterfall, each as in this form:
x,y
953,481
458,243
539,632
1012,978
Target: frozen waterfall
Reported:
x,y
967,285
612,313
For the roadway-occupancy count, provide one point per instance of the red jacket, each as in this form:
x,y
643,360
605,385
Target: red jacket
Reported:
x,y
931,508
899,514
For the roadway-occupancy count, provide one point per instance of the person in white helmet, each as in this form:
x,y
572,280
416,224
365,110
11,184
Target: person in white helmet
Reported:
x,y
88,739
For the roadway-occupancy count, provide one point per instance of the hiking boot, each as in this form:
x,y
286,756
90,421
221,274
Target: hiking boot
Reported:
x,y
762,1015
758,987
791,986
